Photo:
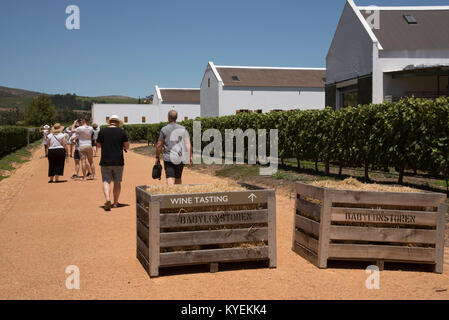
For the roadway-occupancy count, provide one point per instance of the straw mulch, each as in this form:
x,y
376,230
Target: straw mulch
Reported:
x,y
200,188
354,184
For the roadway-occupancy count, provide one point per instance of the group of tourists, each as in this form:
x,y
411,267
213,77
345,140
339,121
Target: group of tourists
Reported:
x,y
80,142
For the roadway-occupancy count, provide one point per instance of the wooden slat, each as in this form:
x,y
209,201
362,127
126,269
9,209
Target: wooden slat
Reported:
x,y
309,191
307,225
440,233
309,208
212,199
142,231
215,255
382,234
387,198
174,220
325,224
143,249
142,214
306,254
154,244
420,218
142,196
143,261
193,238
306,241
271,207
381,252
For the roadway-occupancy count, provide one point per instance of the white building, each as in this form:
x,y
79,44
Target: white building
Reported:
x,y
185,101
384,53
227,90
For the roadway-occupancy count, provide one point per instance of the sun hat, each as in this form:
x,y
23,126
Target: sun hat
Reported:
x,y
57,128
115,118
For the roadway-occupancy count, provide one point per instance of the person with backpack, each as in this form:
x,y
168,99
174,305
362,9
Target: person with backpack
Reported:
x,y
57,153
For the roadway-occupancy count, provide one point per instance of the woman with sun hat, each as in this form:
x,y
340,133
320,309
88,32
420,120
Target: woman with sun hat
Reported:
x,y
57,152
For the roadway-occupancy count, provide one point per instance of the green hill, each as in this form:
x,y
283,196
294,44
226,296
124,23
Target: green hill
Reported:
x,y
19,98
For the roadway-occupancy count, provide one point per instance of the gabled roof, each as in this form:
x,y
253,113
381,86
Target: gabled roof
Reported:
x,y
233,76
430,32
394,33
178,95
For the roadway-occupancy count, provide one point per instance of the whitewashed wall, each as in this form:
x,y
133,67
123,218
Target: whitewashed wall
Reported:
x,y
267,99
209,96
134,112
191,111
351,52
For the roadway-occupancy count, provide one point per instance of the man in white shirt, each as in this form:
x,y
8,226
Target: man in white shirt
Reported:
x,y
84,133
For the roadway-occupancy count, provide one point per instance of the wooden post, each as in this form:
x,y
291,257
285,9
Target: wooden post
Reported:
x,y
213,267
271,205
154,241
325,223
439,244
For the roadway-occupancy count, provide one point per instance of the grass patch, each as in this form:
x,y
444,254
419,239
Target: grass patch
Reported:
x,y
238,171
19,156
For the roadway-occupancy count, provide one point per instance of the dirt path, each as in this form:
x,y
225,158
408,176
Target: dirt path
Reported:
x,y
46,227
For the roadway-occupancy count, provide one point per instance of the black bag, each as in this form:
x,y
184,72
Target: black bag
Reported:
x,y
157,171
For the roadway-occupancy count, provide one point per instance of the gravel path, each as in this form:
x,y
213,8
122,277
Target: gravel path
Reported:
x,y
46,227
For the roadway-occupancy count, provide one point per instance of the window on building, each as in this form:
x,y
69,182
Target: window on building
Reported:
x,y
144,119
208,83
258,111
235,78
242,111
186,118
107,119
126,120
252,92
348,97
410,19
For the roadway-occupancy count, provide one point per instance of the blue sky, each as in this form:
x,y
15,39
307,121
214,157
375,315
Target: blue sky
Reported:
x,y
127,47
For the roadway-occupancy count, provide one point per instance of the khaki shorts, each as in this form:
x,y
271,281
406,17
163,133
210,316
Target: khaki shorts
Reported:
x,y
112,173
86,152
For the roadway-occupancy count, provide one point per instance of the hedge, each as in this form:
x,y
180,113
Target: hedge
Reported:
x,y
14,137
412,134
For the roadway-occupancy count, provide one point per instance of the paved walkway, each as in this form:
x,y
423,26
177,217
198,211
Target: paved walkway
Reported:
x,y
46,227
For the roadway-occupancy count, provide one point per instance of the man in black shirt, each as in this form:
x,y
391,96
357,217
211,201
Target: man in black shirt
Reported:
x,y
112,140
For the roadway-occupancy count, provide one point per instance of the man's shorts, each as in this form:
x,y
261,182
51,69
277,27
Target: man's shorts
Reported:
x,y
86,152
112,173
173,170
76,155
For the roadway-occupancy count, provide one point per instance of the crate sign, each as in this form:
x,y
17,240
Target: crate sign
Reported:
x,y
379,217
214,218
214,199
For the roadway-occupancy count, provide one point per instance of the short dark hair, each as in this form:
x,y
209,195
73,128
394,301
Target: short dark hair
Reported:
x,y
172,115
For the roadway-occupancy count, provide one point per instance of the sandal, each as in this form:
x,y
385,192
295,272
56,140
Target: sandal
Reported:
x,y
107,206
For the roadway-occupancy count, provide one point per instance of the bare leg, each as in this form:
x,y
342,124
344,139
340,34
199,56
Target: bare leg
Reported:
x,y
170,181
117,189
83,165
77,167
92,167
107,190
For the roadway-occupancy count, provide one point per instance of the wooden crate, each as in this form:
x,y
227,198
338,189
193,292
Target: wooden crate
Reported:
x,y
164,229
369,226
